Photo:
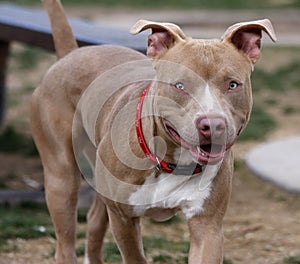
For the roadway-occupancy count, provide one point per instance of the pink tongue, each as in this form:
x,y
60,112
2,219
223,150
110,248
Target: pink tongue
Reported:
x,y
212,150
205,155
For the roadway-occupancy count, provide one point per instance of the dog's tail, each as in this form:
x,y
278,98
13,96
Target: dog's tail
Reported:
x,y
64,40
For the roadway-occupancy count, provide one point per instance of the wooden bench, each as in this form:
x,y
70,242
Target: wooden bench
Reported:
x,y
32,27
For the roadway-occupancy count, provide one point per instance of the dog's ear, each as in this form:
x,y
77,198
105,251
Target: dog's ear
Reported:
x,y
163,37
246,36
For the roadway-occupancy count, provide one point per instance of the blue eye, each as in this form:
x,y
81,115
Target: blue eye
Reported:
x,y
233,85
179,86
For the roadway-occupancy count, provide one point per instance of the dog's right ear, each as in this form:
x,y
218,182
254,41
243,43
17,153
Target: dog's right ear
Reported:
x,y
163,37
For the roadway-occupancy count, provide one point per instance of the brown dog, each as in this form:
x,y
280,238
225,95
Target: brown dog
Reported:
x,y
157,129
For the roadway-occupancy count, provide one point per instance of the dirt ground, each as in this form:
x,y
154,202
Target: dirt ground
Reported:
x,y
262,224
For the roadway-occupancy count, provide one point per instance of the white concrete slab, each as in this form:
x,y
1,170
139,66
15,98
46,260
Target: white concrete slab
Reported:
x,y
278,162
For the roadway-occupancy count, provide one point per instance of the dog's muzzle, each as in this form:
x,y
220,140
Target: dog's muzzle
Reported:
x,y
207,152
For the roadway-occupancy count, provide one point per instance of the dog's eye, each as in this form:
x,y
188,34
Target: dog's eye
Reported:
x,y
179,85
233,85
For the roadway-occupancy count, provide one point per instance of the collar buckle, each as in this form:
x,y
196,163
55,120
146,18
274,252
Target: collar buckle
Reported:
x,y
158,165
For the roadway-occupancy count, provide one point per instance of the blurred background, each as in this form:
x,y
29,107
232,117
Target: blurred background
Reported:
x,y
262,225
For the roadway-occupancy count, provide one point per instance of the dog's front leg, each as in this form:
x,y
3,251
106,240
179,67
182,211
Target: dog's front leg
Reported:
x,y
206,238
127,233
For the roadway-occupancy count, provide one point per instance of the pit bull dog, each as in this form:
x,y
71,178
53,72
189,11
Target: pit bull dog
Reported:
x,y
157,129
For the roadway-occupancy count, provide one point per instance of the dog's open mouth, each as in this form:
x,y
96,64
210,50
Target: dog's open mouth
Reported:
x,y
208,152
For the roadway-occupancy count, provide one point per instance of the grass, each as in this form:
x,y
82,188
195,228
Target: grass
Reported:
x,y
5,179
292,259
281,80
174,252
289,110
111,253
227,261
25,221
271,102
12,141
28,58
7,247
165,244
212,4
162,258
82,216
29,220
261,123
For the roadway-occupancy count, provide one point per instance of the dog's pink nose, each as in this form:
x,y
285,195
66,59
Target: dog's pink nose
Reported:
x,y
211,127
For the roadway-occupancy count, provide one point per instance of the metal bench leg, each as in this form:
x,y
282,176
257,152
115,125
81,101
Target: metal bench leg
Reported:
x,y
4,53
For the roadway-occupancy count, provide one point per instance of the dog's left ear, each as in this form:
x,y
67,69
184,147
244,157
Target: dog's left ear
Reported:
x,y
246,36
163,37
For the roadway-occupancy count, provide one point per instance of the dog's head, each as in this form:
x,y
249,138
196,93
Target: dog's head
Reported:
x,y
203,91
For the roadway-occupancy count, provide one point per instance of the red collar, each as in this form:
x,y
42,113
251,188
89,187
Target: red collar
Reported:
x,y
194,168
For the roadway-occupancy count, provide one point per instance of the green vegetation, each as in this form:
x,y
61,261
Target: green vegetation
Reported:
x,y
111,253
81,216
175,252
292,259
281,80
30,220
25,221
162,258
5,179
29,57
261,123
271,102
80,250
227,261
164,244
212,4
12,141
289,110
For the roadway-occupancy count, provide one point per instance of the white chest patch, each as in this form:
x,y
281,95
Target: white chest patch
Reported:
x,y
168,191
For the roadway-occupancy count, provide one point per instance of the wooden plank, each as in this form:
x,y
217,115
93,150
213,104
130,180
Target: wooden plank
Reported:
x,y
27,36
32,27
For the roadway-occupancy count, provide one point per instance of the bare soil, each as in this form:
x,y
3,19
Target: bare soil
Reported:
x,y
262,224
